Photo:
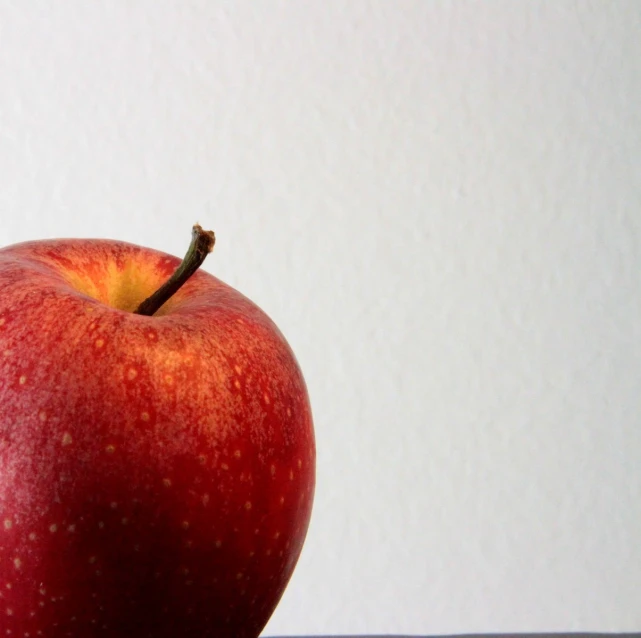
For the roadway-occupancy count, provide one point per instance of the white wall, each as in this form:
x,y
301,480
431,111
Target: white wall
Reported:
x,y
440,205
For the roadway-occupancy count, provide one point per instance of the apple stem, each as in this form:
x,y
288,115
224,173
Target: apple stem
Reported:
x,y
202,243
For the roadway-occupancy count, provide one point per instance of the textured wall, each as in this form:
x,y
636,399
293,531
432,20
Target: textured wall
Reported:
x,y
440,205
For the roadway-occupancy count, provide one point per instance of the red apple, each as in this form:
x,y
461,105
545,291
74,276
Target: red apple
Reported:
x,y
156,472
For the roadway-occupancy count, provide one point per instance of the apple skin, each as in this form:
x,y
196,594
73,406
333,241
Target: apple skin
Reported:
x,y
156,473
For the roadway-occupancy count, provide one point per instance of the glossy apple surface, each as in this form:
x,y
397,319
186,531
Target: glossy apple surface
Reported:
x,y
156,473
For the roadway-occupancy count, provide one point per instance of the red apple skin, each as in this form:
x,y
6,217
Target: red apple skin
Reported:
x,y
156,473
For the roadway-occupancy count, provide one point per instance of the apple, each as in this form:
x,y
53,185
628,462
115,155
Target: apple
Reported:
x,y
157,454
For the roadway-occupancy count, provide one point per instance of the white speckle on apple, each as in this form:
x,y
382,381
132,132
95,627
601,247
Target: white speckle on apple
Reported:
x,y
132,373
237,454
101,524
291,475
99,343
42,415
282,500
169,380
113,505
66,439
32,536
266,398
185,525
248,505
41,604
299,463
7,353
2,320
8,585
8,523
53,528
71,528
289,411
237,384
23,379
144,416
166,482
205,499
276,536
17,563
272,470
238,369
218,544
110,449
224,466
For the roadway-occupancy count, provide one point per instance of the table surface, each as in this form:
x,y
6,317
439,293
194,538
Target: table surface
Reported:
x,y
503,635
